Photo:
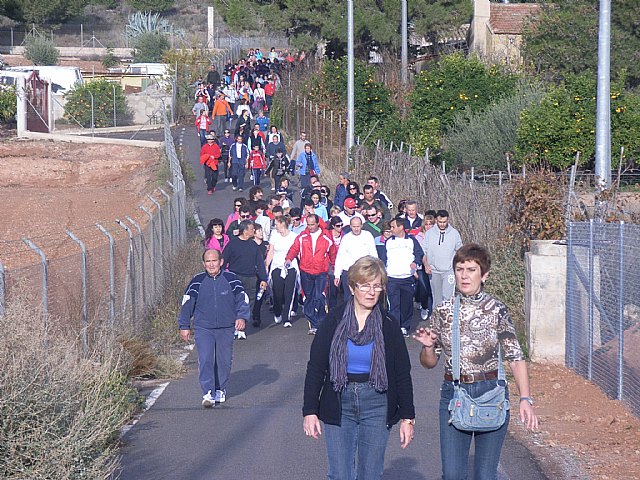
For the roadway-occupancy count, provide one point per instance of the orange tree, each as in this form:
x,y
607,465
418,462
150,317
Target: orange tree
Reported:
x,y
78,104
564,123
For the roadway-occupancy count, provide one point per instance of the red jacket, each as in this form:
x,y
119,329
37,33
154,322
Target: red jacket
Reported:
x,y
199,126
209,155
310,262
256,160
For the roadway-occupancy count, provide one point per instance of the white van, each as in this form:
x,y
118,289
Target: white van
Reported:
x,y
10,78
62,79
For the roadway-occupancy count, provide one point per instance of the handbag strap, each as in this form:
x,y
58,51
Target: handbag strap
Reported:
x,y
455,346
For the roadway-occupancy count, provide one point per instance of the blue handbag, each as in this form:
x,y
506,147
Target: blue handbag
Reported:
x,y
485,413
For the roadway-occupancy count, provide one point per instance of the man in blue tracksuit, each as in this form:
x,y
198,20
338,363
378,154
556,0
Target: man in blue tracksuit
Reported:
x,y
218,305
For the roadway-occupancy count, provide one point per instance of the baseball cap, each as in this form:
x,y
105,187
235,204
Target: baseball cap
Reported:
x,y
350,203
210,137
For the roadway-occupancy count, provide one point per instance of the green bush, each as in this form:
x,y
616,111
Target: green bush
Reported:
x,y
8,104
41,51
151,5
564,123
482,139
110,60
78,106
149,47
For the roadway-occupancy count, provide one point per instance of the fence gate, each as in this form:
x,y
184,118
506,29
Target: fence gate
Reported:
x,y
37,91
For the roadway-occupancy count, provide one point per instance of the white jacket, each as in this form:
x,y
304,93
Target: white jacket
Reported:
x,y
352,248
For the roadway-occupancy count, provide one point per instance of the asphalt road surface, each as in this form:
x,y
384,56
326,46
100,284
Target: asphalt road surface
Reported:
x,y
257,433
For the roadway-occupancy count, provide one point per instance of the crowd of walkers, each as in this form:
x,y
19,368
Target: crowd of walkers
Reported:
x,y
355,267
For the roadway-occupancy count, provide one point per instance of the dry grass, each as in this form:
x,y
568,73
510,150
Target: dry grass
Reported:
x,y
61,412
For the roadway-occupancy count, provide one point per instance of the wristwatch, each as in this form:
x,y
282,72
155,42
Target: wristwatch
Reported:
x,y
528,399
410,421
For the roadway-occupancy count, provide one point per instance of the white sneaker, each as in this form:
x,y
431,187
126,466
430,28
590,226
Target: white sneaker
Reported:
x,y
250,177
207,400
221,396
292,314
287,325
277,319
312,331
241,335
424,313
404,331
234,188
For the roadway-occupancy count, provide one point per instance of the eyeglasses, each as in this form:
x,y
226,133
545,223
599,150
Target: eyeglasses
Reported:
x,y
296,219
245,216
353,188
367,288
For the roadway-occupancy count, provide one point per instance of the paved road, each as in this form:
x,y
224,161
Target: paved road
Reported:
x,y
257,433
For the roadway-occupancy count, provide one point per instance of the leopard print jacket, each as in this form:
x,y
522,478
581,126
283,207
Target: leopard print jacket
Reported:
x,y
484,321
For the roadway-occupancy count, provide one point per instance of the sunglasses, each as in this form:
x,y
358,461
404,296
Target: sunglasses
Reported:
x,y
297,219
238,205
338,225
245,216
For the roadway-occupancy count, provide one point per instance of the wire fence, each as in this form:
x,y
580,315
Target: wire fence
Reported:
x,y
603,307
102,275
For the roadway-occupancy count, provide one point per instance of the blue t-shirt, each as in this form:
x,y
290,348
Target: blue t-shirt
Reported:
x,y
358,357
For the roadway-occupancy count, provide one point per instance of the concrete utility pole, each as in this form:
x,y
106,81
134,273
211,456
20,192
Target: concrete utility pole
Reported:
x,y
603,107
405,44
350,83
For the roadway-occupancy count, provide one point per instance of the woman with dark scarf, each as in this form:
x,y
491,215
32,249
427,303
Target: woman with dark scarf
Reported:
x,y
358,380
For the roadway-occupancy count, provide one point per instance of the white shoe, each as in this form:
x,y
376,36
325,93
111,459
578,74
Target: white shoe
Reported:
x,y
312,331
221,396
287,325
242,335
207,400
250,177
233,188
404,331
277,319
292,314
424,313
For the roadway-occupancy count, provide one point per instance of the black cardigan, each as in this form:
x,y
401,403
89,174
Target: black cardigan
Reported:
x,y
322,400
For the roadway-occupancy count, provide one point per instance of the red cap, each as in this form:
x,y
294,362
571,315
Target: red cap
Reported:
x,y
349,202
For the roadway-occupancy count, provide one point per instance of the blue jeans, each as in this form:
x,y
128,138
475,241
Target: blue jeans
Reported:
x,y
455,444
203,136
356,448
314,300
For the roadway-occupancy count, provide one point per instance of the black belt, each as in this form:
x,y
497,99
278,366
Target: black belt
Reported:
x,y
473,377
358,377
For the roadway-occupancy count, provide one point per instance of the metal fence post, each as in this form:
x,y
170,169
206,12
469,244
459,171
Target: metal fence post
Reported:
x,y
130,275
141,252
591,279
162,222
85,325
112,276
168,198
152,257
93,123
621,314
570,351
114,105
2,290
43,294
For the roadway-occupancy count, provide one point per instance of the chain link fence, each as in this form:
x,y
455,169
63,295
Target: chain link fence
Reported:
x,y
102,275
603,307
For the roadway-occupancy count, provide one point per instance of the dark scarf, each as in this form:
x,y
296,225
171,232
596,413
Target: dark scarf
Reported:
x,y
347,329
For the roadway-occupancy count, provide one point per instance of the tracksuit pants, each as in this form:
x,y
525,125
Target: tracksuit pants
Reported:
x,y
314,300
215,351
400,293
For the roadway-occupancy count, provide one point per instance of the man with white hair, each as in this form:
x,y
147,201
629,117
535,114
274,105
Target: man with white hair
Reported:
x,y
354,245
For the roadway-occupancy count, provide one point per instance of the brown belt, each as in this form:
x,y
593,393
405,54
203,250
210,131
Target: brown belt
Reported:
x,y
473,377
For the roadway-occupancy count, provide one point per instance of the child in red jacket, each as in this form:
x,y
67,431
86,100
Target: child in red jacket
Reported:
x,y
257,163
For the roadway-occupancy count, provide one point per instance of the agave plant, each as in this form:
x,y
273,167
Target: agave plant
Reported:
x,y
149,22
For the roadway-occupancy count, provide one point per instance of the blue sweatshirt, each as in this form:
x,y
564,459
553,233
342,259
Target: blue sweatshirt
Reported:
x,y
213,302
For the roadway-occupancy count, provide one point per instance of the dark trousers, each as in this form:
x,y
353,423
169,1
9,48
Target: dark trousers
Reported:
x,y
400,292
332,299
423,291
237,175
283,290
257,174
211,176
314,307
249,283
344,283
